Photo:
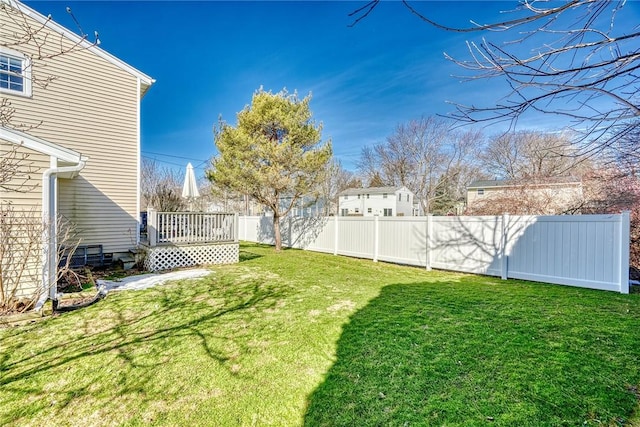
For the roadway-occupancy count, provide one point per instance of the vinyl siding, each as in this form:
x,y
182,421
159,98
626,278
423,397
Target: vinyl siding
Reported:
x,y
22,241
90,107
25,194
556,198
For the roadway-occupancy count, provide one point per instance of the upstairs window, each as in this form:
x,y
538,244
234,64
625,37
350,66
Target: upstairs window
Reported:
x,y
15,73
346,197
399,197
480,191
407,197
384,195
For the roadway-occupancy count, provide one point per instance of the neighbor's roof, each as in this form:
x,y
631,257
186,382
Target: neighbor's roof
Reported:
x,y
370,190
559,180
145,80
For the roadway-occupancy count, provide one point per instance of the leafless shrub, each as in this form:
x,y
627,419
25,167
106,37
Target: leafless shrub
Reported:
x,y
161,187
21,254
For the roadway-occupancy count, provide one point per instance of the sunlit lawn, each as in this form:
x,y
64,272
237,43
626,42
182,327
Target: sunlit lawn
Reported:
x,y
300,338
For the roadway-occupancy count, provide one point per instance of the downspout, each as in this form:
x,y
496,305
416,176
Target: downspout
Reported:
x,y
138,171
49,235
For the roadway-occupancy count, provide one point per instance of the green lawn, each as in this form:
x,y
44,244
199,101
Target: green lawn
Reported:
x,y
300,338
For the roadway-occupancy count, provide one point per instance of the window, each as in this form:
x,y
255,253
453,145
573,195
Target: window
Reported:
x,y
384,195
344,212
358,196
346,197
368,210
480,191
407,197
357,210
367,196
399,197
15,73
388,212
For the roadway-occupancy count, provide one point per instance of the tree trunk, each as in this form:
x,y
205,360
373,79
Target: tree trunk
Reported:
x,y
276,231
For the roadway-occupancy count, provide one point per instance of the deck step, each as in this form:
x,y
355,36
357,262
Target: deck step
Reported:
x,y
128,261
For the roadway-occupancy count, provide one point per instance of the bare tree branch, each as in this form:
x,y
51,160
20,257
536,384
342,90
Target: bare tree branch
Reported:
x,y
570,59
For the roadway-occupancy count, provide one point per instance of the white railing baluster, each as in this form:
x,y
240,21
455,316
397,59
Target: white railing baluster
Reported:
x,y
194,227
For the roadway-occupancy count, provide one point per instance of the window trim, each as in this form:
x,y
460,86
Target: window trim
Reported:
x,y
26,72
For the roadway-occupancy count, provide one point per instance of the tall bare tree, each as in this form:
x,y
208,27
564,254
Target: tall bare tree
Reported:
x,y
581,62
531,154
336,180
428,157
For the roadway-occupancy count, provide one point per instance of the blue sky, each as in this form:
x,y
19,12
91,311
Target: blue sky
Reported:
x,y
209,57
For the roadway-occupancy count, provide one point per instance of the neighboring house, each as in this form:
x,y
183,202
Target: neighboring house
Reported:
x,y
82,134
306,206
381,201
241,204
526,197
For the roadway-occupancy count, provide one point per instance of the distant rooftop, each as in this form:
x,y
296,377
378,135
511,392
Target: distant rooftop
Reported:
x,y
369,190
558,180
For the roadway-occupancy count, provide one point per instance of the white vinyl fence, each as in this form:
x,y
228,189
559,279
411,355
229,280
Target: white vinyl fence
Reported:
x,y
590,251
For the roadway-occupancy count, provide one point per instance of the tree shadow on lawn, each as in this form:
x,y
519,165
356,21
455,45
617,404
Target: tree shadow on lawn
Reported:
x,y
248,256
468,352
125,346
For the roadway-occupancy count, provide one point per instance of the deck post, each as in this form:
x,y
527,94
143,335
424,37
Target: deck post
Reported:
x,y
236,227
152,223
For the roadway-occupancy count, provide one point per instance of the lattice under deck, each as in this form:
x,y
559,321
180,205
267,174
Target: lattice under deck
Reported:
x,y
168,257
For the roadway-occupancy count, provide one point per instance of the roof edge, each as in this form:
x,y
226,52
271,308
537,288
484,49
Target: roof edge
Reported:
x,y
371,190
51,24
40,145
499,183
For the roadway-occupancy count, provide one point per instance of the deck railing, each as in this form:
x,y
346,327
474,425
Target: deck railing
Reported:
x,y
191,227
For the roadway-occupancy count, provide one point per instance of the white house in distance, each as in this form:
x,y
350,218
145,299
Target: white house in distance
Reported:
x,y
381,201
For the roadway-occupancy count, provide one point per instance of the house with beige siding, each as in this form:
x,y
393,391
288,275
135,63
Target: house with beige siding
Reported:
x,y
541,196
75,120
